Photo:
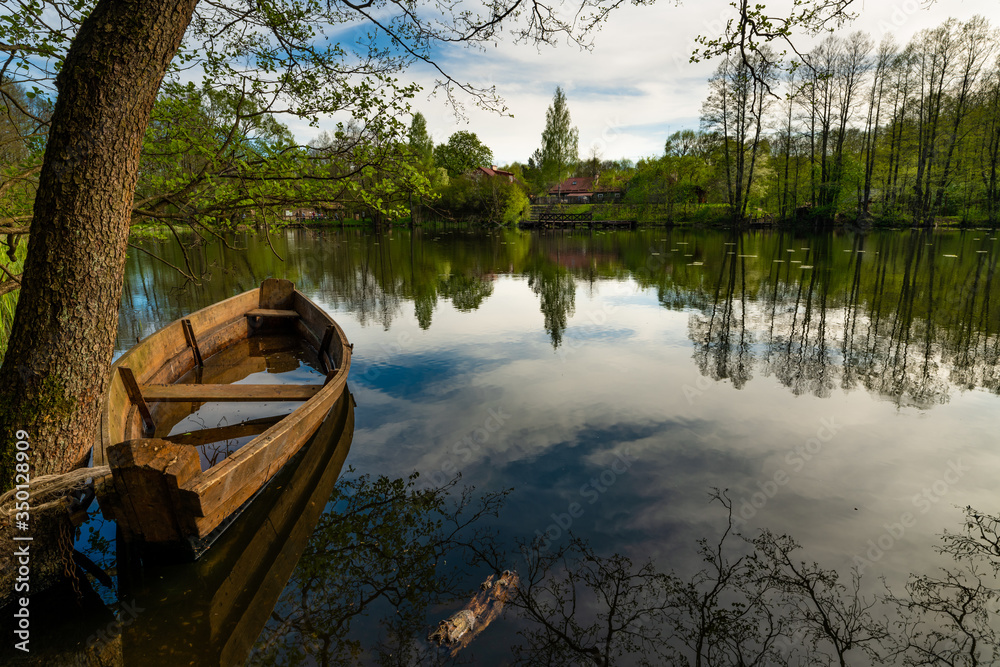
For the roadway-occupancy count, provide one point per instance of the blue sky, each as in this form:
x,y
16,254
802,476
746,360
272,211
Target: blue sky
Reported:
x,y
635,86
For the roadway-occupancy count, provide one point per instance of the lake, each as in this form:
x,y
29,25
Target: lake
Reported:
x,y
841,388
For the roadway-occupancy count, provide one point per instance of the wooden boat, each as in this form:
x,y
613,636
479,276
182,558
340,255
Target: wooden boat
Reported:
x,y
156,491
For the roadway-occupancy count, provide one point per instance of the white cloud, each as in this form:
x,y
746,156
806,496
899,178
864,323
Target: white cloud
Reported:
x,y
644,52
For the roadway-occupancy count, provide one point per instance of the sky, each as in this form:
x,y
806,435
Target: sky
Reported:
x,y
635,86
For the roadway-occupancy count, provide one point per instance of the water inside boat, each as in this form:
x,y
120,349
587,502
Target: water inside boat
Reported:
x,y
218,429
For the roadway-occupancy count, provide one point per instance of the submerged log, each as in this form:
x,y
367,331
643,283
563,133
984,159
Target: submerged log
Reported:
x,y
458,630
451,630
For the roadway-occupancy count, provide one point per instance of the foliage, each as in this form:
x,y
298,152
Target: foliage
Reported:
x,y
485,199
13,264
851,133
462,153
738,100
257,63
419,141
22,116
532,172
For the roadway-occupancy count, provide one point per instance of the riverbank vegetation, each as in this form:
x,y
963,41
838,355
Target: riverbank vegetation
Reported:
x,y
857,133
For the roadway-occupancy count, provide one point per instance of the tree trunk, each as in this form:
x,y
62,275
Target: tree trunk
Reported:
x,y
57,364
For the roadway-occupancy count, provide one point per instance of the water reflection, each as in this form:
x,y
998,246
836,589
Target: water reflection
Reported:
x,y
212,610
905,324
906,315
383,549
556,290
708,359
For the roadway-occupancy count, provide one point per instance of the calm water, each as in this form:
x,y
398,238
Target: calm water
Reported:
x,y
832,383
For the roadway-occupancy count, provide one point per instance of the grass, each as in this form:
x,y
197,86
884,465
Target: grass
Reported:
x,y
8,302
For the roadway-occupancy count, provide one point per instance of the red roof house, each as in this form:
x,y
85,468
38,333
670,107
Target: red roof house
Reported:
x,y
584,189
493,171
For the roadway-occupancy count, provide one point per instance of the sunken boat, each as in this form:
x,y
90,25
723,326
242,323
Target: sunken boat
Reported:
x,y
164,493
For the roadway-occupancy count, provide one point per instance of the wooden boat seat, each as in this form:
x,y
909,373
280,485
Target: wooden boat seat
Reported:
x,y
220,433
272,312
206,393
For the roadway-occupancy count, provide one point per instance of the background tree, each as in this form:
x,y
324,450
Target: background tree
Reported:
x,y
482,199
591,167
560,150
532,172
687,161
420,141
462,153
738,99
364,172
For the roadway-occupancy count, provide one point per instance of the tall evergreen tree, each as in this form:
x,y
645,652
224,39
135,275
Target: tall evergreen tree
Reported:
x,y
420,141
560,141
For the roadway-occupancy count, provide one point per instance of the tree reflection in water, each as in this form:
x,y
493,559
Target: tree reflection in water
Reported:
x,y
759,602
556,290
909,317
388,550
382,544
900,325
905,315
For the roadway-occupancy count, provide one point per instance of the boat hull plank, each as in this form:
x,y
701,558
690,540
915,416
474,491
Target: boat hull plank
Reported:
x,y
272,312
222,433
223,489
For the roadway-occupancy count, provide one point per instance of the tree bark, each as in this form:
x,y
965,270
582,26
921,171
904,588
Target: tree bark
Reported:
x,y
56,368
